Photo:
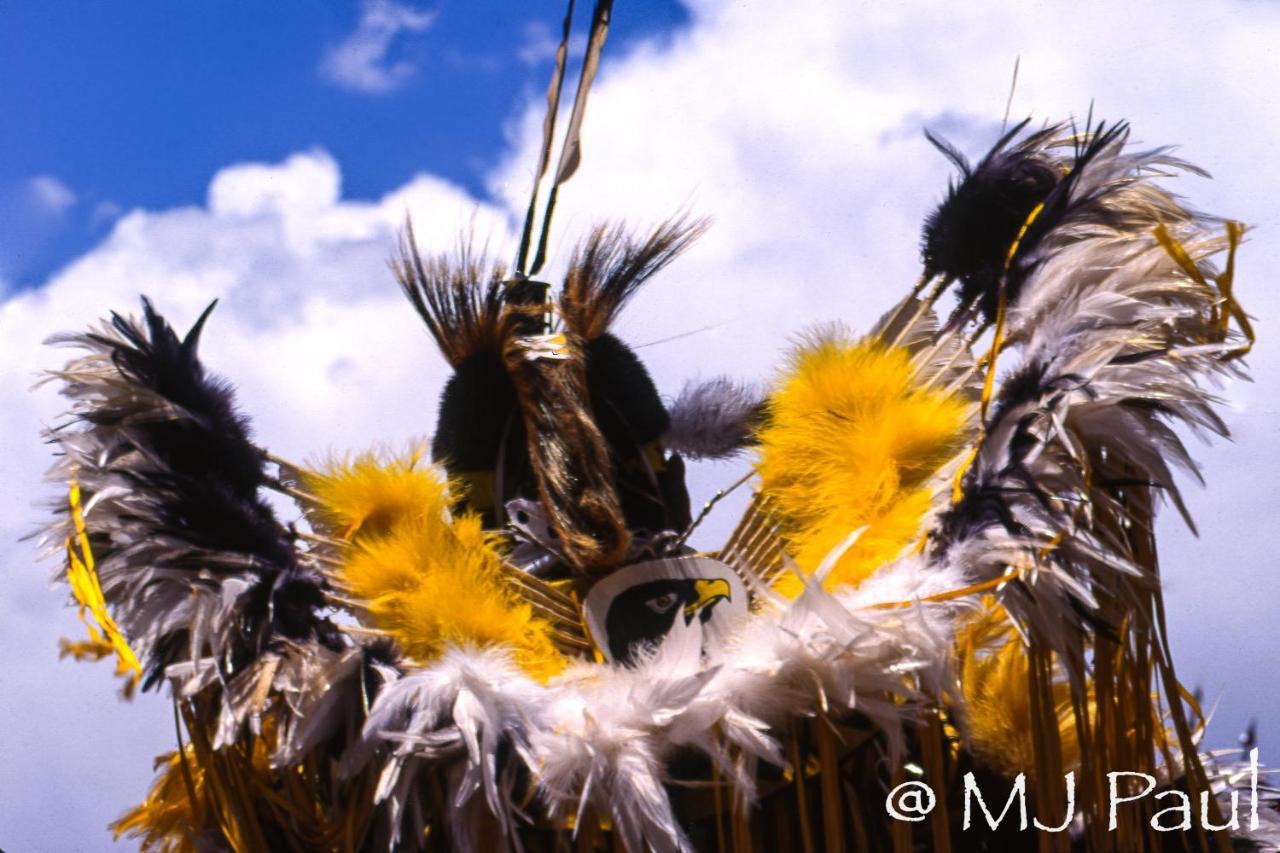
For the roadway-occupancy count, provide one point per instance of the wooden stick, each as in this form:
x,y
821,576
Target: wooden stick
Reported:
x,y
296,494
709,505
915,292
321,539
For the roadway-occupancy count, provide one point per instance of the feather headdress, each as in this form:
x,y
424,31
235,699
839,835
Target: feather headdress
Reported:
x,y
947,570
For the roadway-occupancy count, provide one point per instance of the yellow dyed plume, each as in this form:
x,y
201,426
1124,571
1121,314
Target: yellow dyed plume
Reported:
x,y
997,697
370,495
167,821
850,441
429,579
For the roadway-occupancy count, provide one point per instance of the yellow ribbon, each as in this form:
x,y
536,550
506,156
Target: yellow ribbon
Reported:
x,y
105,636
1223,281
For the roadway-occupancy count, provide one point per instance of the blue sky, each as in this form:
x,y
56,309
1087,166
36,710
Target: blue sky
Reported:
x,y
138,104
266,154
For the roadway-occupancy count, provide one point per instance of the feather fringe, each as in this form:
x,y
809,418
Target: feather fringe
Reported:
x,y
459,297
193,564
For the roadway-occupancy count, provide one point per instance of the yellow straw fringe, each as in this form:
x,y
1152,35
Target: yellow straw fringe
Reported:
x,y
998,713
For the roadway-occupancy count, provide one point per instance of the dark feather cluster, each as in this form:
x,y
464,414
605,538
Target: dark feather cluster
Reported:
x,y
986,232
203,459
168,432
459,297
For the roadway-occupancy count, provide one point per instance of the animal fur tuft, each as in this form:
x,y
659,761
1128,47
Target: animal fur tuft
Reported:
x,y
430,579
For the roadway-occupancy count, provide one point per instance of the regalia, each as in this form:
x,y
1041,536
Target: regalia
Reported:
x,y
946,575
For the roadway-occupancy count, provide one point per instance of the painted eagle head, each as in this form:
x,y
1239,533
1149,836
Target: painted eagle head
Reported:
x,y
642,615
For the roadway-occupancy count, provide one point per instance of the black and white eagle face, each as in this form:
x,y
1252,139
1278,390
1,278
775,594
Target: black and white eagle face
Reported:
x,y
643,614
636,607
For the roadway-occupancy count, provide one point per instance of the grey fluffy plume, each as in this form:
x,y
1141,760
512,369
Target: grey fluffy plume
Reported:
x,y
713,419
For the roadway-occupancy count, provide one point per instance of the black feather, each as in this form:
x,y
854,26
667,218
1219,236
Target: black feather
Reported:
x,y
200,488
971,237
608,269
459,296
213,441
1066,203
951,153
967,238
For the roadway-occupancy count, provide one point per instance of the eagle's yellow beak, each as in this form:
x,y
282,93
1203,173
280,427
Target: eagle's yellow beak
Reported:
x,y
708,592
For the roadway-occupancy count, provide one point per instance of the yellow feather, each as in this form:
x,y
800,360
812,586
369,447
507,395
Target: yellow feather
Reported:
x,y
850,442
167,821
429,579
371,493
997,698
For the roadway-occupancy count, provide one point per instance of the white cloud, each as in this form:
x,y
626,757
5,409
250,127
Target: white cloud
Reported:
x,y
50,195
802,141
361,62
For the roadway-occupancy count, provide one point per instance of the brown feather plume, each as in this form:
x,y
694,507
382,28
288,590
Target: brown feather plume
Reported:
x,y
611,266
459,296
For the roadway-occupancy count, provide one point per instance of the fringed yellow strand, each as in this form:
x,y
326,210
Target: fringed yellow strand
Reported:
x,y
997,342
957,483
104,635
1223,282
1226,281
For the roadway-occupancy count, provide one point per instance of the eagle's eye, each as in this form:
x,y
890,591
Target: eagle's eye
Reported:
x,y
662,603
